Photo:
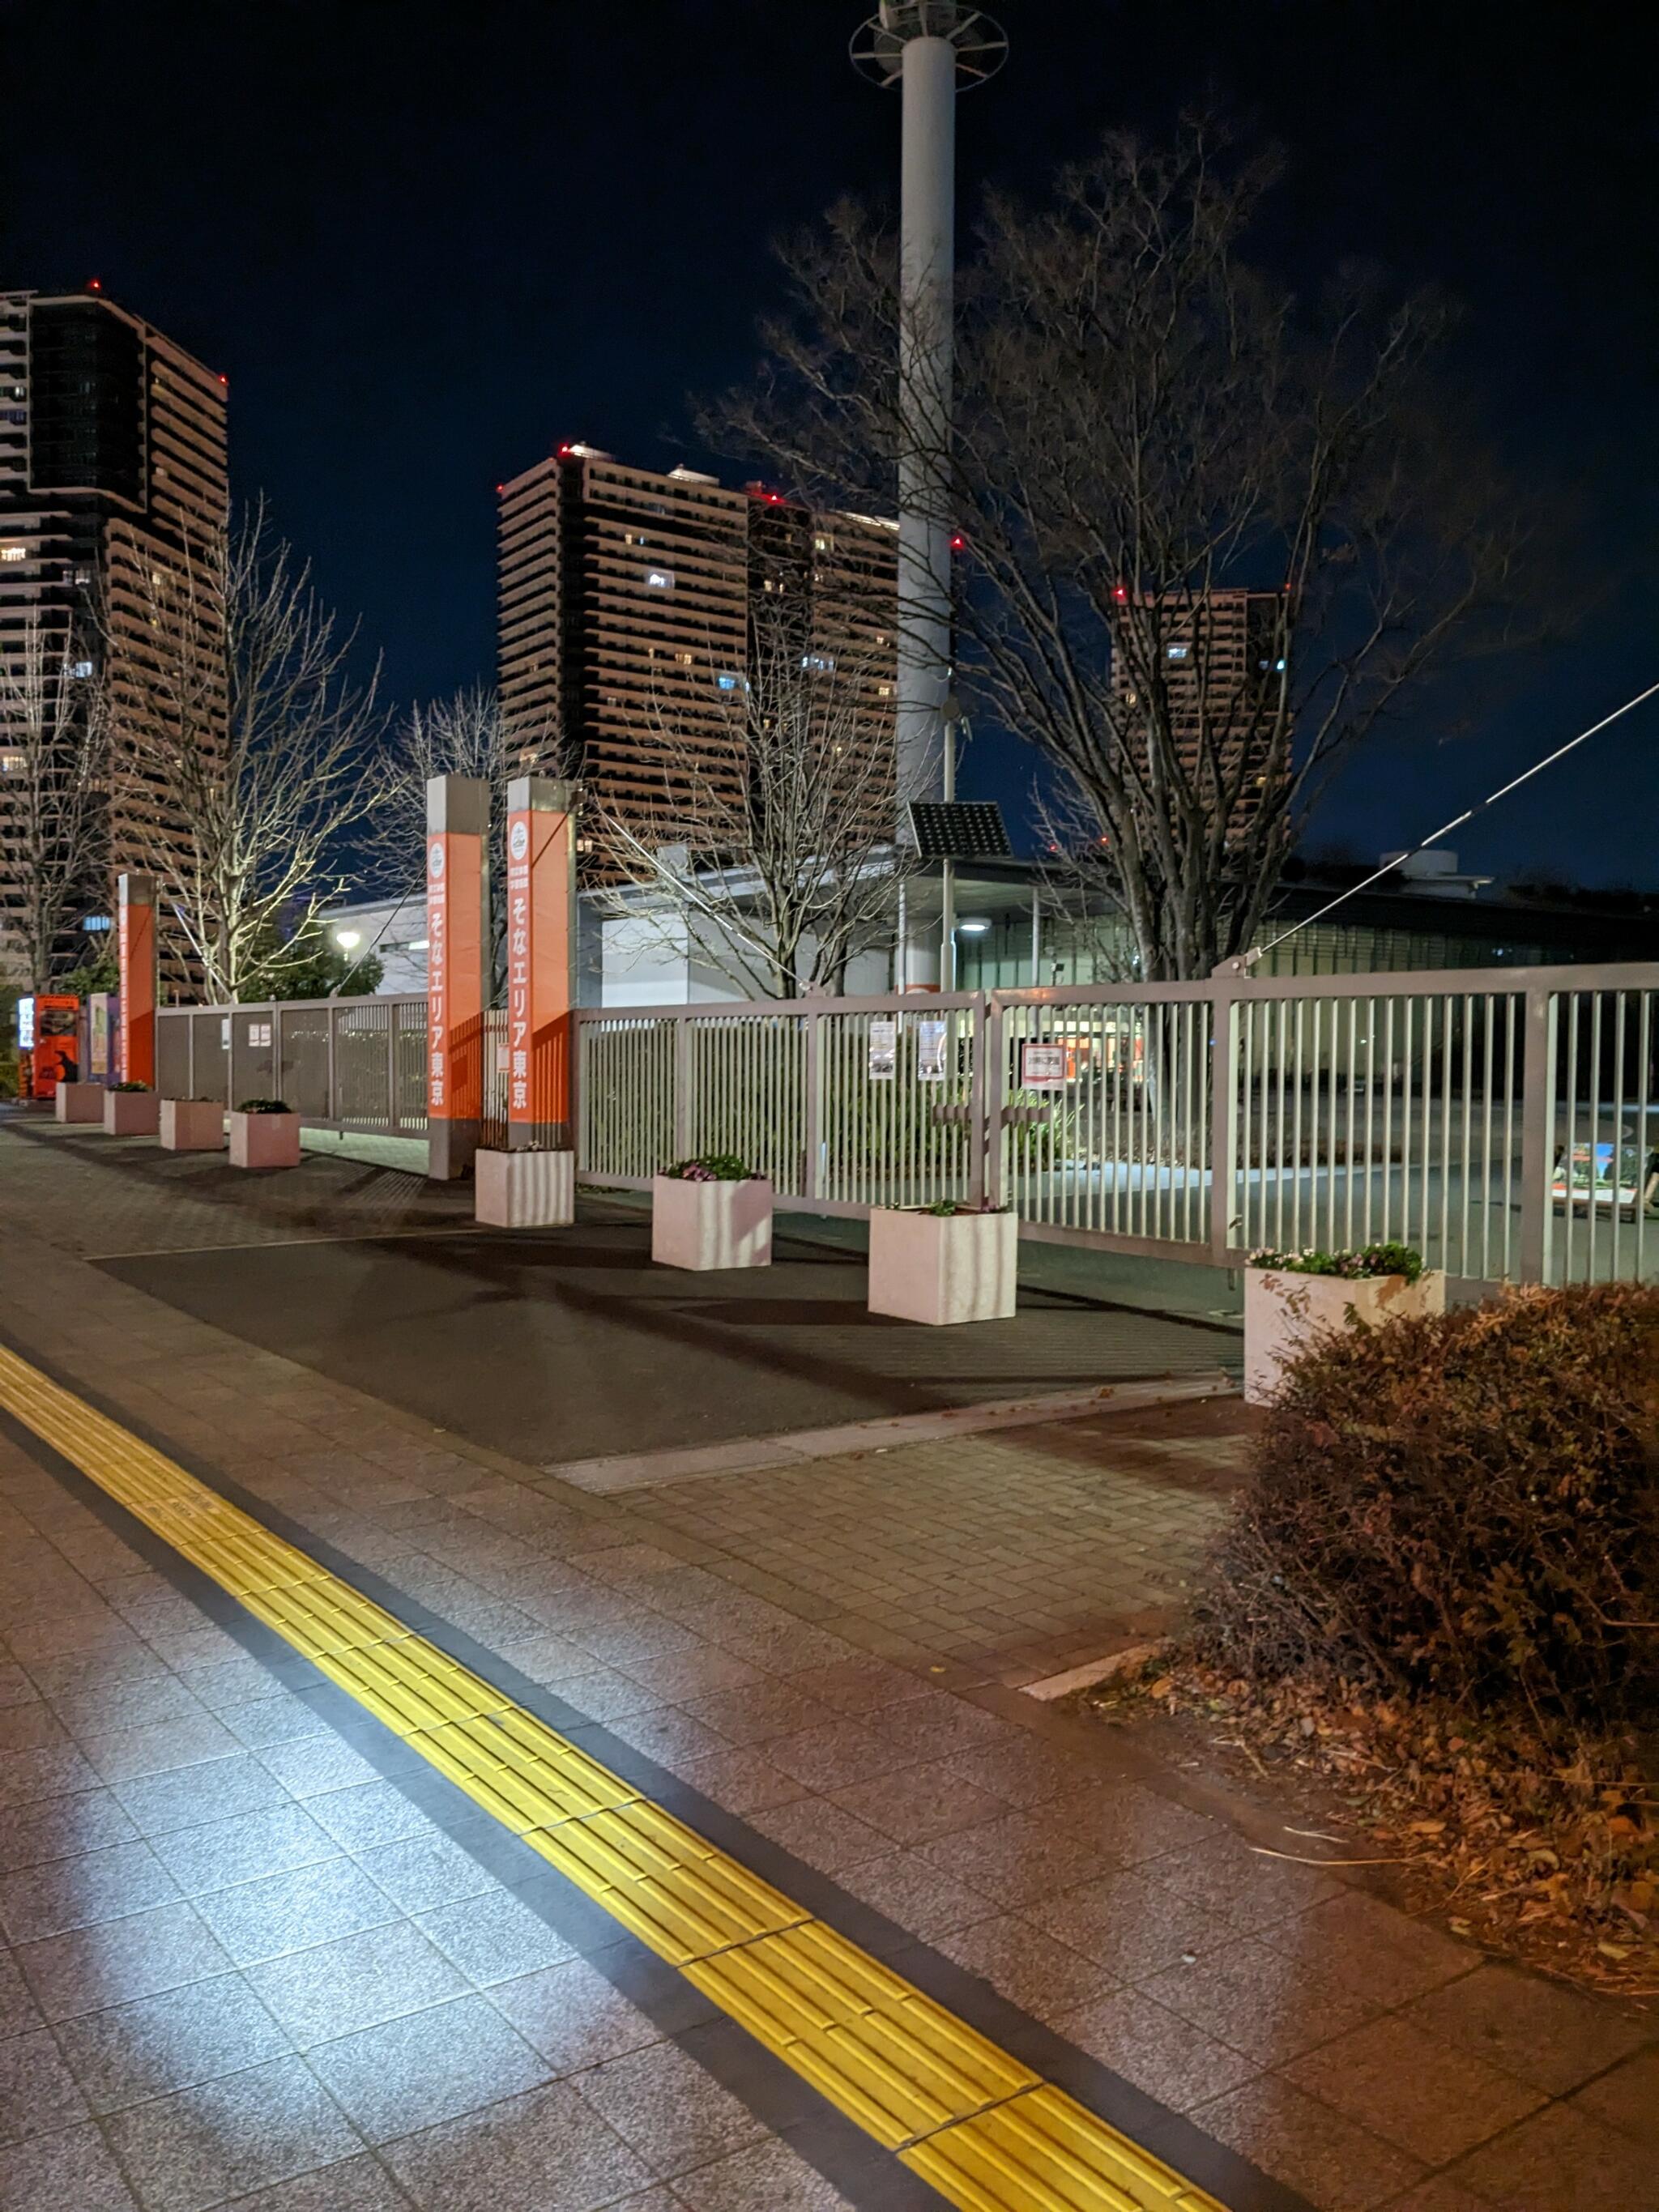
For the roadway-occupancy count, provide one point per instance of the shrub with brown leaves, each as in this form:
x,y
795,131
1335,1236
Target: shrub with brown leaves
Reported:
x,y
1464,1507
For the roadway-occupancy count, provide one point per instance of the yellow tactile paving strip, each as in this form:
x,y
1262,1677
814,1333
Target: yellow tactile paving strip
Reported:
x,y
978,2126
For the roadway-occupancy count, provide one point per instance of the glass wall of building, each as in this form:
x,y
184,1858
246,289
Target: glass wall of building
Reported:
x,y
1102,952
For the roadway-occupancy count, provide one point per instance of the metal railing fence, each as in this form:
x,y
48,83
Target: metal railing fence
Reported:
x,y
1115,1144
1508,1130
341,1063
1596,1047
1508,1127
788,1086
1362,1120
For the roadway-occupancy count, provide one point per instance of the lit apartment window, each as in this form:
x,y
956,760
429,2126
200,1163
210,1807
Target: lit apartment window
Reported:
x,y
1177,652
82,668
728,681
13,763
686,660
820,663
659,580
823,544
883,690
14,552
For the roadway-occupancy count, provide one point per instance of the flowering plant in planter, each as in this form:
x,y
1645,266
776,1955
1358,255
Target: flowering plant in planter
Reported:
x,y
1354,1265
131,1109
265,1133
1292,1298
711,1167
713,1212
525,1186
191,1125
953,1261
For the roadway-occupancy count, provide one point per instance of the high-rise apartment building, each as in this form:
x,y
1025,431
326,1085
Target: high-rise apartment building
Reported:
x,y
1219,658
112,477
830,580
624,604
632,604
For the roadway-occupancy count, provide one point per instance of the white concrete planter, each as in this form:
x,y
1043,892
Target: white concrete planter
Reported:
x,y
80,1102
1282,1311
525,1190
702,1225
942,1268
132,1113
265,1140
193,1125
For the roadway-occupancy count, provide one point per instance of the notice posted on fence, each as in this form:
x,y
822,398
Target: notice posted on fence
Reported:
x,y
931,1032
883,1046
1042,1066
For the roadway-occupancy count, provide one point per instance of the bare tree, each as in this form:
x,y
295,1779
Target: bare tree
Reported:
x,y
249,747
54,763
765,845
1147,429
466,734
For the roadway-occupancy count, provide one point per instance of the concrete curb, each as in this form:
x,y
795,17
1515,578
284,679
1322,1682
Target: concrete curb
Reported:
x,y
752,1455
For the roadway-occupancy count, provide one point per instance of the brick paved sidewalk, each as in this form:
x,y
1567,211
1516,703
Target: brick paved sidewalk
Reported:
x,y
241,1951
1009,1556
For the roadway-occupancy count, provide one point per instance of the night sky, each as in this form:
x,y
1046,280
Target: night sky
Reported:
x,y
427,243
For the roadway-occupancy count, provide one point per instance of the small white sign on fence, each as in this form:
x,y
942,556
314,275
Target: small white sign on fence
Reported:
x,y
930,1033
883,1046
1042,1066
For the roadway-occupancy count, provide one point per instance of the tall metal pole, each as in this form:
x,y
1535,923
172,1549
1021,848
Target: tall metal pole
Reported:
x,y
947,921
927,204
925,47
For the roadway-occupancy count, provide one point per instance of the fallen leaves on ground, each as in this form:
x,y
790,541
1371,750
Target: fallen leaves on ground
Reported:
x,y
1551,1857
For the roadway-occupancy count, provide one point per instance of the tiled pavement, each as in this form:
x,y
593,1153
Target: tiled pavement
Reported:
x,y
252,1960
467,1326
184,1201
1011,1555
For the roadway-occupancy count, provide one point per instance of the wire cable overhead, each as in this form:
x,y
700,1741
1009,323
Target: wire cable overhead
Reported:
x,y
1456,823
